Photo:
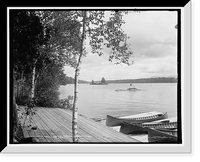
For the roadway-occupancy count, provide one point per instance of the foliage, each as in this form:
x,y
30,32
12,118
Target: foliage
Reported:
x,y
103,80
70,80
47,40
109,34
26,38
146,80
28,113
47,85
64,33
102,34
66,103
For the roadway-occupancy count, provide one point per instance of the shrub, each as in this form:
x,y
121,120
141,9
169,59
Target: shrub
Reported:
x,y
66,103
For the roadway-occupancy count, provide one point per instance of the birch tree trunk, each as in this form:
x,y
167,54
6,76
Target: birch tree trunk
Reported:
x,y
15,115
33,84
76,78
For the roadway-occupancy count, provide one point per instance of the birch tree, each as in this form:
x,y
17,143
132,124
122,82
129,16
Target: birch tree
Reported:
x,y
40,38
102,34
60,36
77,73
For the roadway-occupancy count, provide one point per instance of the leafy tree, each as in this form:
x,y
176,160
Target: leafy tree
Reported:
x,y
40,37
27,38
101,34
39,41
59,36
47,86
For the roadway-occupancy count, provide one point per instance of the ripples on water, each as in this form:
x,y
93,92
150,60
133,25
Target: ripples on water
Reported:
x,y
96,101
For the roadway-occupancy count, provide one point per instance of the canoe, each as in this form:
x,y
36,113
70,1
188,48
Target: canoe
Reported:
x,y
139,128
139,118
155,135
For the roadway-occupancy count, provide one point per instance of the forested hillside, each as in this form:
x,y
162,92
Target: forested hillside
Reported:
x,y
146,80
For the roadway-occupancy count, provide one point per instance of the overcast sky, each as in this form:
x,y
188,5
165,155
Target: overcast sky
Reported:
x,y
153,40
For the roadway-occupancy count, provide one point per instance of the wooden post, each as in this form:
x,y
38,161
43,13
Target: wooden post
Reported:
x,y
77,73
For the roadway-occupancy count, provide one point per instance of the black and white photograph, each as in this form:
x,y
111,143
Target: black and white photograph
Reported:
x,y
95,76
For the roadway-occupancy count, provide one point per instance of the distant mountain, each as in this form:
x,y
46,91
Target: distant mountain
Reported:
x,y
146,80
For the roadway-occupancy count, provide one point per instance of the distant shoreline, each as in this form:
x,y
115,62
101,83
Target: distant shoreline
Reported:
x,y
124,83
146,80
140,80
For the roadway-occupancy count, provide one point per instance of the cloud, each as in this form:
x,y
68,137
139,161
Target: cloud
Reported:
x,y
151,27
157,50
153,40
161,66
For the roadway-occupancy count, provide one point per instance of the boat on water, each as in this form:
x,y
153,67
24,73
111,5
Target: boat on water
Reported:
x,y
132,88
112,121
162,135
139,128
128,89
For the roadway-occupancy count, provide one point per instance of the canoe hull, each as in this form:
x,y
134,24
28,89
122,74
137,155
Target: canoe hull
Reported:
x,y
127,128
115,121
134,128
156,136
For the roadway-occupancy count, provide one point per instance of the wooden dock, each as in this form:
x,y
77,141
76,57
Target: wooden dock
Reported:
x,y
54,126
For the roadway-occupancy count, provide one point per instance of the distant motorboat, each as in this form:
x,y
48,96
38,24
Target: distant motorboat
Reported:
x,y
132,88
128,89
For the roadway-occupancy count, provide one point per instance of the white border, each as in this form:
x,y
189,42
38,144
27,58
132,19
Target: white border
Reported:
x,y
185,147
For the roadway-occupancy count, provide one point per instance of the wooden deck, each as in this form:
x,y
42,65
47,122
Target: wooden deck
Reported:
x,y
54,126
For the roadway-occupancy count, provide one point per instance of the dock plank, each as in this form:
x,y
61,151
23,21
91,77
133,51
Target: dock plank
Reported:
x,y
47,127
59,122
82,126
101,130
45,132
54,125
82,133
107,133
65,121
37,133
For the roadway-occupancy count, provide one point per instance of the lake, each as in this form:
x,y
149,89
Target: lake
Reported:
x,y
96,101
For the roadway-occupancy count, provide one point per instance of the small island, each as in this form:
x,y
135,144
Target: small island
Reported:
x,y
102,82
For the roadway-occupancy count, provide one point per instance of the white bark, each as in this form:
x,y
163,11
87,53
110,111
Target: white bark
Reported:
x,y
77,72
33,84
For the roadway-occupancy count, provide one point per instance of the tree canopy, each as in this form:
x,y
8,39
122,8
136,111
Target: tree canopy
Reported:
x,y
103,80
42,42
41,39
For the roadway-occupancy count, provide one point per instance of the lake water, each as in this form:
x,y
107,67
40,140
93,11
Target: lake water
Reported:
x,y
96,101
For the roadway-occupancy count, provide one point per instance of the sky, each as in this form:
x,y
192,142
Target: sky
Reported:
x,y
153,40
